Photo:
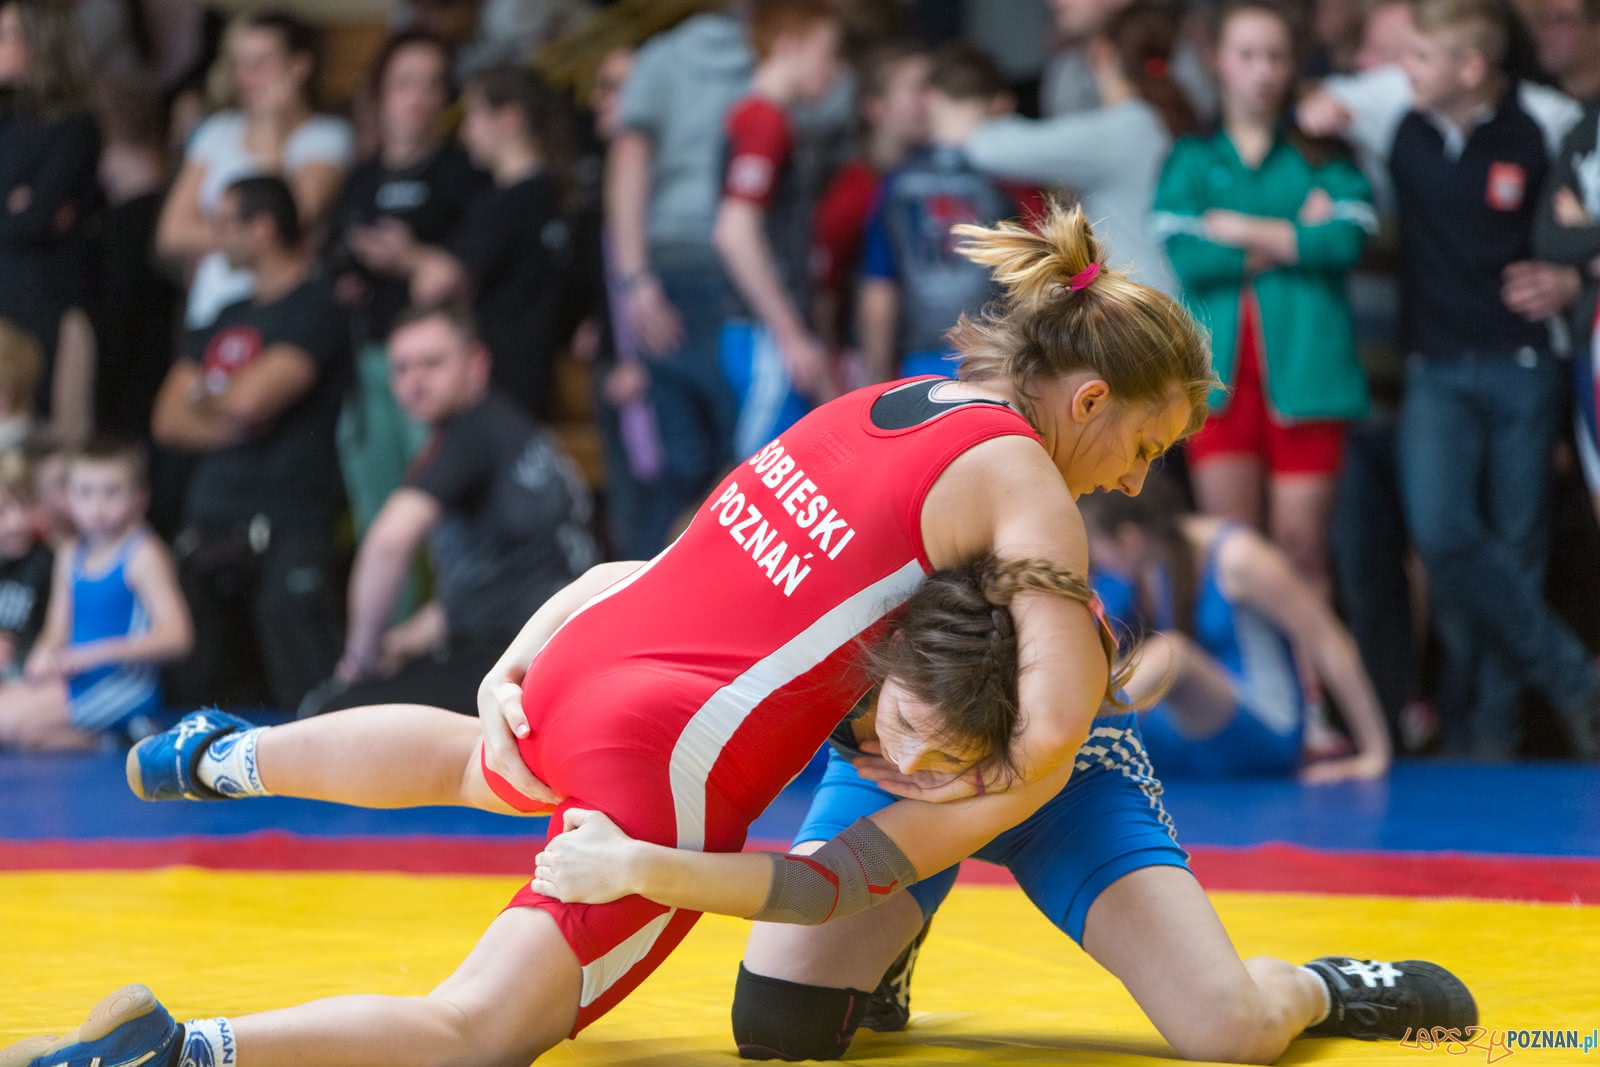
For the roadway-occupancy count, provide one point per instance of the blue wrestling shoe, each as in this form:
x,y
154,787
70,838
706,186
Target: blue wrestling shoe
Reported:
x,y
129,1028
1375,1000
163,767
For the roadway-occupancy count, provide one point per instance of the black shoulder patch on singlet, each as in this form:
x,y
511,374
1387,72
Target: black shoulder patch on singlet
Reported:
x,y
913,404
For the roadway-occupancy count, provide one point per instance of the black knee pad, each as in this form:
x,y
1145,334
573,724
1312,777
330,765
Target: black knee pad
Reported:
x,y
778,1020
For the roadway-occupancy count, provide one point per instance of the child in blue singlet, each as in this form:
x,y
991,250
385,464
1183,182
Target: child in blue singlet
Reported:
x,y
1226,618
116,614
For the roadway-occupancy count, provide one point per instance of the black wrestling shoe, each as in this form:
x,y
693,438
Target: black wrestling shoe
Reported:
x,y
1374,1000
889,1007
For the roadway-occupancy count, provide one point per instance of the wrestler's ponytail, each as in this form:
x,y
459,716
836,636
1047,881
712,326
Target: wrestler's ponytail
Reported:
x,y
1065,309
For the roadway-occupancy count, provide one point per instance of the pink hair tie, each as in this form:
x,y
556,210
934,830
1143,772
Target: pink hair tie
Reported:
x,y
1082,279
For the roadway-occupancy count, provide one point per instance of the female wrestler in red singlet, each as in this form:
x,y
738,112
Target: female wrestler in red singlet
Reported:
x,y
680,699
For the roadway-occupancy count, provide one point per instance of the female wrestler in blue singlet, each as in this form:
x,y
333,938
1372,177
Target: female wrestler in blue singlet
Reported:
x,y
1235,638
1100,860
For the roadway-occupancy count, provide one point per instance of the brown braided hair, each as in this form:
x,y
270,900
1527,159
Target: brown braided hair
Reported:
x,y
953,646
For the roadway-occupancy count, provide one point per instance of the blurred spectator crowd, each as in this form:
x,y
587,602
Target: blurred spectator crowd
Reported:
x,y
329,349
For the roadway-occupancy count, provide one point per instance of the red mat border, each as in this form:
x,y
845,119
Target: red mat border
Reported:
x,y
1261,868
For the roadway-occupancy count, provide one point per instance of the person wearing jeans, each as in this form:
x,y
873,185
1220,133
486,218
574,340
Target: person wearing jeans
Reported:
x,y
1369,548
693,406
661,199
1476,438
1468,150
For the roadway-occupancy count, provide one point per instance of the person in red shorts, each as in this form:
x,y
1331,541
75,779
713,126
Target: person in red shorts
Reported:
x,y
679,699
1252,434
1262,225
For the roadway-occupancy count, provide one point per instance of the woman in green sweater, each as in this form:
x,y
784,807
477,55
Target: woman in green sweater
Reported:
x,y
1262,226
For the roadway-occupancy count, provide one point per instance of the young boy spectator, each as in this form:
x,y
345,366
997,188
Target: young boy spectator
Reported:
x,y
1367,107
1483,388
20,366
116,614
24,566
915,285
892,89
774,363
504,510
254,399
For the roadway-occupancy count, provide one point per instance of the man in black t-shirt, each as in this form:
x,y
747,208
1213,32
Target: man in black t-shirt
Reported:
x,y
504,511
255,397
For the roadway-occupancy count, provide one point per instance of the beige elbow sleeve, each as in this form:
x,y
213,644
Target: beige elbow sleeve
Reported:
x,y
850,873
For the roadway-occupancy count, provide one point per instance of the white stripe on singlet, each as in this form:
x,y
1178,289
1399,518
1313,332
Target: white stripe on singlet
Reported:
x,y
704,736
113,698
609,969
708,732
1269,684
610,591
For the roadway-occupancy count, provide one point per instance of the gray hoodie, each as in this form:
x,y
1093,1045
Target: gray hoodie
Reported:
x,y
683,83
1109,156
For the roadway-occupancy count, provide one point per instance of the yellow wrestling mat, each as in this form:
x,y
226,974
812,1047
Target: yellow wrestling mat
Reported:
x,y
996,984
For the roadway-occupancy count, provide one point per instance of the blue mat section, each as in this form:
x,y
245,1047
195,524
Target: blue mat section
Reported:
x,y
86,797
1534,809
1525,809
